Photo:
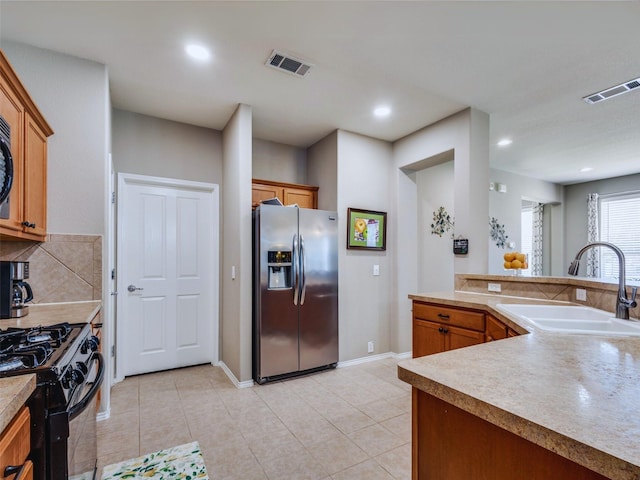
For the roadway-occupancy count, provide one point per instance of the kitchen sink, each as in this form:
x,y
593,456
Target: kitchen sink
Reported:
x,y
571,319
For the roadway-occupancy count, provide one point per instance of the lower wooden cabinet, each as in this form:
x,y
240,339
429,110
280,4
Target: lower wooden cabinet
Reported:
x,y
439,328
306,196
449,443
15,445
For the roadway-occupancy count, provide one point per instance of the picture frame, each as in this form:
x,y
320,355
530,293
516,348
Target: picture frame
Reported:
x,y
366,229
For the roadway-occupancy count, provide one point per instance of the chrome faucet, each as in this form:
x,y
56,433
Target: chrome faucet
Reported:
x,y
623,304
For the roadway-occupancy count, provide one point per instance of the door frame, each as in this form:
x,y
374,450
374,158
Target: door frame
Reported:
x,y
213,189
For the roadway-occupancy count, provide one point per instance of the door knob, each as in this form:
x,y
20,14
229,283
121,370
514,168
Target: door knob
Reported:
x,y
132,288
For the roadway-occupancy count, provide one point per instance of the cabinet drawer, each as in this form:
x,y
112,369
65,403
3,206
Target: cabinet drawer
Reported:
x,y
15,441
448,315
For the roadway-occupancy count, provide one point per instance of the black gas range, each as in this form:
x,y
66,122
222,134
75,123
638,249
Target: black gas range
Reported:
x,y
69,371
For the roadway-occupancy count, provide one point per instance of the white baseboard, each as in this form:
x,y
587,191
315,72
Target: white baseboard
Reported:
x,y
103,415
232,377
373,358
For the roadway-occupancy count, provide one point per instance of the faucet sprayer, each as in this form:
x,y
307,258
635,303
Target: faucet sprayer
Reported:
x,y
622,303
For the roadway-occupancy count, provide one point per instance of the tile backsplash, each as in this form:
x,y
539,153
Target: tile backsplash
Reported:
x,y
64,268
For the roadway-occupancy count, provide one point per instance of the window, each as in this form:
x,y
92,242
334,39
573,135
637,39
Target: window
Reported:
x,y
620,225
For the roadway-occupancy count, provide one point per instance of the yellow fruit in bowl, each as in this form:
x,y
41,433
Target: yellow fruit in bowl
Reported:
x,y
509,257
507,265
525,265
516,264
521,257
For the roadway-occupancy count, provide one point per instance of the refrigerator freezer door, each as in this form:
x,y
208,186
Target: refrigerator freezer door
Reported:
x,y
276,322
319,313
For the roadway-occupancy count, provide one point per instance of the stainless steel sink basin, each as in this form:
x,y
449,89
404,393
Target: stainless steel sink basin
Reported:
x,y
572,319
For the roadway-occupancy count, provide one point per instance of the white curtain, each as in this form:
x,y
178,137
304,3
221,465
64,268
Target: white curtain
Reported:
x,y
535,262
593,235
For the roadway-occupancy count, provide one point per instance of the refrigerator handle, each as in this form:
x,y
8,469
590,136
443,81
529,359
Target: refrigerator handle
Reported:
x,y
296,273
303,268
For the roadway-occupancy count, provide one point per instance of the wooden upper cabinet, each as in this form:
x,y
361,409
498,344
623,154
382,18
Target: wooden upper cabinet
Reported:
x,y
29,132
306,196
35,179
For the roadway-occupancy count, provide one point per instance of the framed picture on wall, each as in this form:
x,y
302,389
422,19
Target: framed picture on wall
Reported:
x,y
366,229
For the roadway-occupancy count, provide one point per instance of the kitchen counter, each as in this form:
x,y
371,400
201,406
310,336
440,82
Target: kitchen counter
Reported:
x,y
51,313
575,395
14,392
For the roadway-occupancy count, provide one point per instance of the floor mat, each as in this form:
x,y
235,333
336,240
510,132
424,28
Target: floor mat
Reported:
x,y
181,462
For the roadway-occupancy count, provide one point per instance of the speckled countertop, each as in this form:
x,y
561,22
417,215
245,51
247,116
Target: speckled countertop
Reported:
x,y
576,395
14,391
52,313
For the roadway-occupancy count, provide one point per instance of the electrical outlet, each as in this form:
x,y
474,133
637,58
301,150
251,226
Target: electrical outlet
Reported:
x,y
581,294
376,270
494,287
370,347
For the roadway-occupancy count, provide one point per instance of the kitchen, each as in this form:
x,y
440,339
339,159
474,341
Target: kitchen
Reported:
x,y
76,91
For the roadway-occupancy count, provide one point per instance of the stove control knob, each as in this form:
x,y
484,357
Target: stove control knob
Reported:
x,y
90,344
82,368
72,378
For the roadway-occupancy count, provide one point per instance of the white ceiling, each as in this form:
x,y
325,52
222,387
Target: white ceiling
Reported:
x,y
527,64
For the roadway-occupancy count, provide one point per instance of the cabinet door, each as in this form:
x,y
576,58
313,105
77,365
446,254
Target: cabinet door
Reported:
x,y
261,192
13,113
15,441
427,338
304,198
496,330
461,337
35,185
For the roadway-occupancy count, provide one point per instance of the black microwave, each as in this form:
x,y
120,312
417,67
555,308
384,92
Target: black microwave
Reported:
x,y
6,167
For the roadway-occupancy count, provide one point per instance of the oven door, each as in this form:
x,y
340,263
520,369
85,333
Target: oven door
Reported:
x,y
82,447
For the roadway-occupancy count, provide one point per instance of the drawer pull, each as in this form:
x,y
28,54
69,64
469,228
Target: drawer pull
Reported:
x,y
17,470
443,316
443,330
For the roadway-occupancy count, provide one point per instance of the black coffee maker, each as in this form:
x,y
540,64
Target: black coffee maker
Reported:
x,y
14,291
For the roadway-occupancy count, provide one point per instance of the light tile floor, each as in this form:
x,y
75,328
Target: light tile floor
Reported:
x,y
345,424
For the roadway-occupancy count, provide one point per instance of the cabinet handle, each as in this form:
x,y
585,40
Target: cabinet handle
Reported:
x,y
18,470
443,316
446,330
441,330
28,224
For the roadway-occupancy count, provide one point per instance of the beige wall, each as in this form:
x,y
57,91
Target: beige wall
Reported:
x,y
364,176
161,148
278,162
236,245
466,134
322,165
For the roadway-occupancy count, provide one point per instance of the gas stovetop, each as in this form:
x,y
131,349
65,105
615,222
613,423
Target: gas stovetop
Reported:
x,y
25,350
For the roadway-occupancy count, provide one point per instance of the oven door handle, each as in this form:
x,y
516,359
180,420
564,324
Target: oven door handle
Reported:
x,y
79,407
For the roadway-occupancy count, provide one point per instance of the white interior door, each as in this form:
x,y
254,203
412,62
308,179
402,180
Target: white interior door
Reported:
x,y
167,273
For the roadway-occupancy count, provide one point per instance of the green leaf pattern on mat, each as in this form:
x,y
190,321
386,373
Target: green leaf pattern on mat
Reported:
x,y
183,462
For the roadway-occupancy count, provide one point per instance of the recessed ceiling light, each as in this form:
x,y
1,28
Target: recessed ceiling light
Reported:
x,y
198,52
586,169
504,142
382,111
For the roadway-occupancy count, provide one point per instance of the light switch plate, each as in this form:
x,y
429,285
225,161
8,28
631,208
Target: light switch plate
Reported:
x,y
376,270
494,287
581,294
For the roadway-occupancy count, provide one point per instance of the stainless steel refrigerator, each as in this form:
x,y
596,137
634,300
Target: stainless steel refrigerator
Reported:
x,y
295,291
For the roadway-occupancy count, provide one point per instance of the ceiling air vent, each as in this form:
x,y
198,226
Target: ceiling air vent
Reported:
x,y
612,91
287,63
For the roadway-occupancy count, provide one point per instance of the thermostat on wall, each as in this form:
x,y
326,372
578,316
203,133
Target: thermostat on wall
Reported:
x,y
461,246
